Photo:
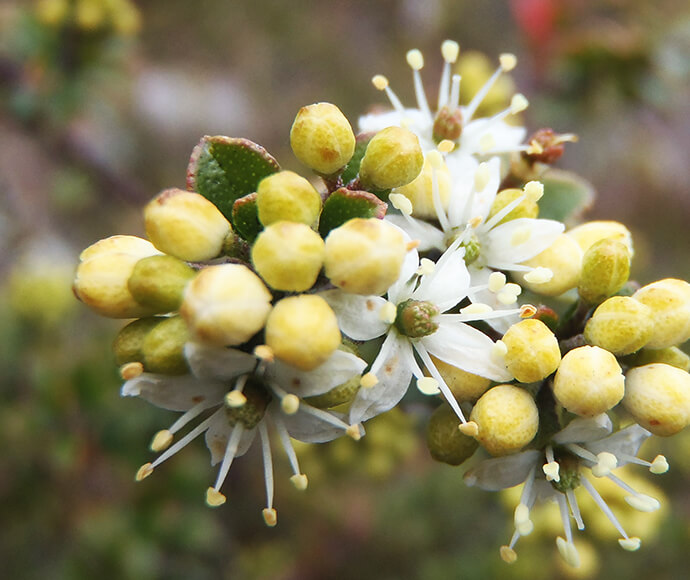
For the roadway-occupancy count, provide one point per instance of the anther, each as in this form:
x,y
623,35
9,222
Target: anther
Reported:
x,y
415,59
527,310
426,267
497,280
450,50
630,544
270,517
607,462
131,370
412,245
264,352
235,399
400,202
446,146
552,471
508,555
354,432
642,502
161,440
508,61
659,465
144,471
476,308
428,386
470,428
300,481
380,82
214,498
534,190
388,313
368,380
518,103
289,404
539,275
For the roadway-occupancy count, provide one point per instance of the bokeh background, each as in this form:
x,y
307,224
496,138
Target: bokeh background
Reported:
x,y
100,106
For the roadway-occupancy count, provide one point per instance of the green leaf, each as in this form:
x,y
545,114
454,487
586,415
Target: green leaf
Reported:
x,y
245,216
566,196
223,169
344,204
352,168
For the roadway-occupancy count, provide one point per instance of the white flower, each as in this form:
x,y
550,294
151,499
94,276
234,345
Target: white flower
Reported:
x,y
237,396
585,444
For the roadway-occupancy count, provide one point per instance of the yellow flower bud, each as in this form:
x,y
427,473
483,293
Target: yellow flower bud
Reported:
x,y
590,233
670,355
527,208
445,441
669,300
564,259
163,347
185,225
159,282
589,381
533,352
339,395
288,256
102,275
393,158
605,270
420,190
286,196
658,397
364,256
226,304
303,331
322,138
464,386
507,418
620,325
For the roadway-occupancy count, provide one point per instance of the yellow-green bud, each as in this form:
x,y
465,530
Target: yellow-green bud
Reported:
x,y
303,331
605,270
445,441
507,418
527,208
343,393
658,397
589,233
415,318
420,190
226,304
321,137
393,158
620,325
464,386
589,381
288,256
286,196
185,225
159,282
364,256
127,343
533,352
670,355
163,347
102,275
669,300
564,259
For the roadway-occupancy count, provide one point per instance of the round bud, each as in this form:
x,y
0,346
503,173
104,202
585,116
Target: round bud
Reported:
x,y
605,270
420,190
159,282
322,138
620,325
288,256
339,395
507,418
527,208
286,196
226,304
102,275
445,441
127,343
533,352
163,347
393,158
303,331
464,386
670,355
658,397
589,233
669,300
364,256
589,381
564,259
185,225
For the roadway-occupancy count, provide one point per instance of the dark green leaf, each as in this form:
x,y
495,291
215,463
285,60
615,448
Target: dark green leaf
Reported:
x,y
566,196
245,216
343,205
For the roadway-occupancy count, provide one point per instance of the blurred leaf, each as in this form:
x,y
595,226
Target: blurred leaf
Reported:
x,y
566,196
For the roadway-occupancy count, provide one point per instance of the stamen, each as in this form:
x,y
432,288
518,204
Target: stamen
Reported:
x,y
214,498
193,434
498,352
449,50
454,100
539,275
630,544
401,203
388,313
603,506
131,370
289,404
298,478
497,280
426,267
368,380
436,161
574,508
447,393
481,94
300,481
636,500
230,451
270,516
508,555
552,468
568,552
527,310
523,524
381,84
161,440
534,190
659,465
416,62
428,386
476,308
518,104
508,61
582,452
144,471
412,245
354,432
264,352
235,399
471,429
605,463
445,146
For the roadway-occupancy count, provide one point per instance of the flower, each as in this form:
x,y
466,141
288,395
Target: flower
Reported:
x,y
238,395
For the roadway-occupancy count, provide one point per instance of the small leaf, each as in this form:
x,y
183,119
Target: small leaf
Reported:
x,y
223,169
344,204
566,196
352,168
245,216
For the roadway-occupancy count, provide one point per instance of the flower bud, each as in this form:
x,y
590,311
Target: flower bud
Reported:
x,y
102,275
589,381
159,282
420,190
605,270
670,355
303,331
620,325
669,300
127,344
445,441
590,233
447,125
322,138
339,395
286,196
464,386
564,259
658,397
533,352
163,347
226,304
185,225
288,256
527,208
393,158
364,256
507,418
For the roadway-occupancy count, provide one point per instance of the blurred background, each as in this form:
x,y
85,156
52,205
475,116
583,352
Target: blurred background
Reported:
x,y
101,103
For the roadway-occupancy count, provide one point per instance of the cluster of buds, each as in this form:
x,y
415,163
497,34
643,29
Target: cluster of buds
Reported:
x,y
265,299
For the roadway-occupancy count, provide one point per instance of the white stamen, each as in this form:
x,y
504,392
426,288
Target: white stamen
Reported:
x,y
568,552
289,404
642,502
508,555
630,544
534,190
574,508
454,100
443,387
380,82
476,308
518,104
433,157
235,399
193,434
481,94
268,472
416,62
445,146
450,50
230,451
523,524
287,444
400,202
300,481
659,465
415,59
388,313
602,505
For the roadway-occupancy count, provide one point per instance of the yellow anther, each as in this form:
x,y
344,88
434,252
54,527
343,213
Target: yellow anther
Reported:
x,y
426,267
518,103
534,148
476,308
497,280
414,244
300,481
415,59
659,465
428,386
289,404
131,370
354,432
630,544
508,61
144,471
481,176
380,82
446,146
471,429
552,471
527,311
450,50
388,313
487,142
270,517
539,275
214,498
368,380
607,462
534,190
161,440
235,399
264,352
508,555
400,202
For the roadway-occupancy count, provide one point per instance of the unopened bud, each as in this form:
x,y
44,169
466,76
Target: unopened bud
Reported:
x,y
127,344
464,386
286,196
589,233
420,191
159,282
339,395
163,347
621,325
533,352
605,270
563,259
393,158
527,208
670,355
445,441
669,300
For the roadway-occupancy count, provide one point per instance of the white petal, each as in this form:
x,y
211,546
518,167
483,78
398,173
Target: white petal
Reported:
x,y
309,428
217,436
358,316
502,472
428,235
447,284
623,443
499,251
216,362
583,430
402,289
176,393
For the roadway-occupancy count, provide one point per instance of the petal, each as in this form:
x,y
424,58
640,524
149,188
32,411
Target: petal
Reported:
x,y
583,430
309,428
214,362
428,235
358,316
217,436
447,284
176,393
502,472
402,288
625,442
499,251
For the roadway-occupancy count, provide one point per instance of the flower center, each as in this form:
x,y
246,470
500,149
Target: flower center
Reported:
x,y
447,125
414,318
252,410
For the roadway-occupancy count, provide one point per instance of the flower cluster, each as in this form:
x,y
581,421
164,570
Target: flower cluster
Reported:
x,y
266,302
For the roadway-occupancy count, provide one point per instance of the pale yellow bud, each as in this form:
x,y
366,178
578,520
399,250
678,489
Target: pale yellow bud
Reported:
x,y
445,441
507,418
589,381
364,256
590,233
669,300
527,208
658,397
226,304
303,331
605,270
464,386
322,138
288,256
420,190
564,259
185,225
620,325
393,158
286,196
533,352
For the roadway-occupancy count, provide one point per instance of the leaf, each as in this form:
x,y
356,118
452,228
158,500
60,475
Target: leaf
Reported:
x,y
223,169
566,196
245,216
352,168
344,204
